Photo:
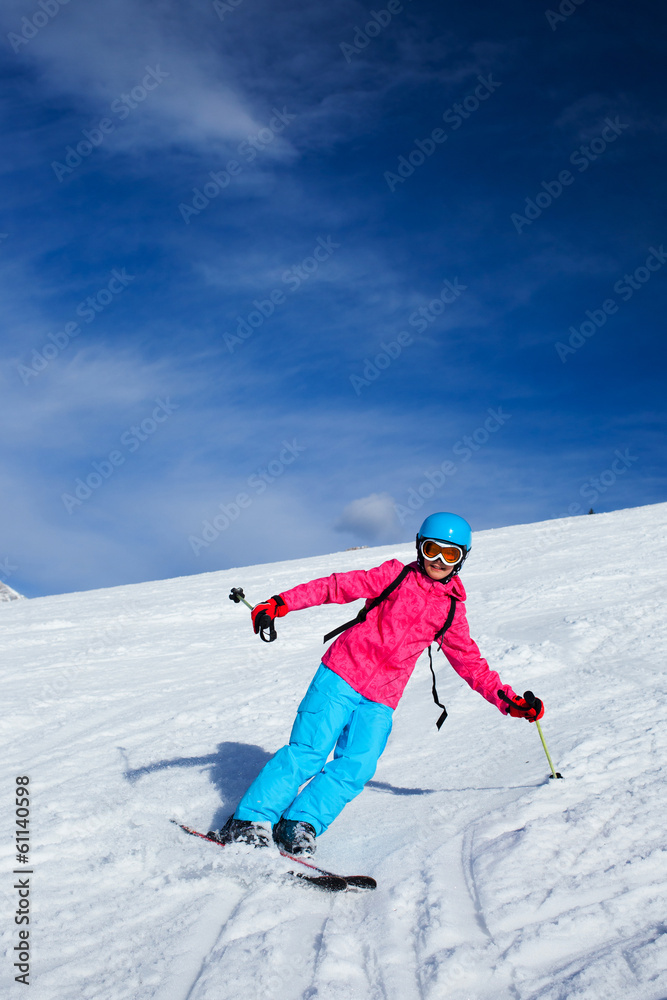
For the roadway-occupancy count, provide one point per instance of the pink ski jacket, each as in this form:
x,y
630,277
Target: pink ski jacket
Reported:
x,y
377,657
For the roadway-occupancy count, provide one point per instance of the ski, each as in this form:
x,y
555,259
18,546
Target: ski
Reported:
x,y
324,880
355,881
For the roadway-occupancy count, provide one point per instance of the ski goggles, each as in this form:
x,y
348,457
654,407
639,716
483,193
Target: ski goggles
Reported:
x,y
431,549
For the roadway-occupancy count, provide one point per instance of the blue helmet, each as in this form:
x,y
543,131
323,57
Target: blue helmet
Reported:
x,y
447,528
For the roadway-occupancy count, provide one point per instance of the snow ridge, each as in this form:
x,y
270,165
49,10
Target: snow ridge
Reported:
x,y
7,594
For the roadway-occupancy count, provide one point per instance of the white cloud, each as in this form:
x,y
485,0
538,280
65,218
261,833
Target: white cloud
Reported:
x,y
371,518
91,54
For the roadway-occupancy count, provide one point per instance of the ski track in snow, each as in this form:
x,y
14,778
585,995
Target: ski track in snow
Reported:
x,y
132,705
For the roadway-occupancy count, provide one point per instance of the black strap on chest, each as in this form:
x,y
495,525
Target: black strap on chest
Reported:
x,y
438,638
361,617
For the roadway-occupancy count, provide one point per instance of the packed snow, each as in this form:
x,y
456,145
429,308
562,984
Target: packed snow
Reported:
x,y
130,706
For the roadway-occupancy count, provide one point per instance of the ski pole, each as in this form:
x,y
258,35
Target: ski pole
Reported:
x,y
530,699
264,622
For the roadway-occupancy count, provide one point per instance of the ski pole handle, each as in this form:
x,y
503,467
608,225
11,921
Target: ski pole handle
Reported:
x,y
237,596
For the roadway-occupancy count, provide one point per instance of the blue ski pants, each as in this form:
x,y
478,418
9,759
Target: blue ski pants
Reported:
x,y
332,716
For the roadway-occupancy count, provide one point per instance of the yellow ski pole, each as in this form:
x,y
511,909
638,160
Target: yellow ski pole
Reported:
x,y
530,699
554,772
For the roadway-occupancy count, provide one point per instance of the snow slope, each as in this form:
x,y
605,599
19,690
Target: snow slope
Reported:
x,y
8,594
132,705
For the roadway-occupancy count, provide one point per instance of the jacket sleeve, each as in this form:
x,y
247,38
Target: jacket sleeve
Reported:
x,y
464,656
341,588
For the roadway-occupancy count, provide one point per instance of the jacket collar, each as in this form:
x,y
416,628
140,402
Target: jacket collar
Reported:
x,y
453,587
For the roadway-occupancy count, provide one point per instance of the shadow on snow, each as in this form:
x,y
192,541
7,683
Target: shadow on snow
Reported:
x,y
232,768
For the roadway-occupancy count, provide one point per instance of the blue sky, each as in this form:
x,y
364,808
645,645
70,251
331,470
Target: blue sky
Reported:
x,y
280,279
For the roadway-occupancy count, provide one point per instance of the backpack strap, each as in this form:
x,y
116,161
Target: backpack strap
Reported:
x,y
361,617
438,637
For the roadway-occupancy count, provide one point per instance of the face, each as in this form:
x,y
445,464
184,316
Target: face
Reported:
x,y
437,570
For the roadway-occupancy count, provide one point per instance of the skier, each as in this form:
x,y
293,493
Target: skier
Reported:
x,y
349,705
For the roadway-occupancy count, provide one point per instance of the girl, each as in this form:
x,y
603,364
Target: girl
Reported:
x,y
349,705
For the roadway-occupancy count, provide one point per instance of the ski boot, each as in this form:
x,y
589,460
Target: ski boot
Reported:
x,y
243,831
294,836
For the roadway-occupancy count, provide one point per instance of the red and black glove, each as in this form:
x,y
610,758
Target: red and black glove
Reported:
x,y
529,707
264,615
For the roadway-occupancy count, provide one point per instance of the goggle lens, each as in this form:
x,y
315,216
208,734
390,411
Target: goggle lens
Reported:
x,y
451,554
